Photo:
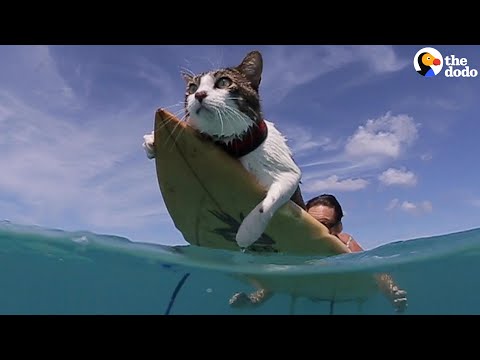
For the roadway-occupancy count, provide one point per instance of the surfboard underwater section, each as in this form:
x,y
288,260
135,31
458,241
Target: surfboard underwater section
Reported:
x,y
208,193
348,286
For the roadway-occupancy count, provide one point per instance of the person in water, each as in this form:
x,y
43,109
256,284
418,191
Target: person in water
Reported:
x,y
327,210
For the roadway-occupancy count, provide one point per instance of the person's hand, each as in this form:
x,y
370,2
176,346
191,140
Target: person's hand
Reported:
x,y
394,294
399,299
241,299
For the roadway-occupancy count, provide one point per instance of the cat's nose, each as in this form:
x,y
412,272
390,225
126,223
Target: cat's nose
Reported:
x,y
200,95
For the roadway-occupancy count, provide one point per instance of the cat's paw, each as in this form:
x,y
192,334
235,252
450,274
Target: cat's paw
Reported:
x,y
148,142
252,227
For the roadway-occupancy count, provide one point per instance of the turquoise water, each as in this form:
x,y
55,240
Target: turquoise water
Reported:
x,y
47,271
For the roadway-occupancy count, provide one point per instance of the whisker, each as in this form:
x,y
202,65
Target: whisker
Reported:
x,y
251,134
178,112
233,114
253,111
180,103
176,139
171,135
237,113
220,58
212,63
243,116
218,106
219,112
187,71
168,119
164,124
183,118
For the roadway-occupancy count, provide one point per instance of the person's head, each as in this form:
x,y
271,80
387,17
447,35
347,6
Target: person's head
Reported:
x,y
327,210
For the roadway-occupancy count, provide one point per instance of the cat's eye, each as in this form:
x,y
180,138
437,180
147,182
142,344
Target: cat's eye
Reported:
x,y
223,82
192,88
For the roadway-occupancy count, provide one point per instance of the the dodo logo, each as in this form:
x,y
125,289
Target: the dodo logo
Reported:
x,y
428,62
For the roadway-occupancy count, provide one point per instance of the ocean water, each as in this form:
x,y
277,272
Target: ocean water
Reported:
x,y
50,271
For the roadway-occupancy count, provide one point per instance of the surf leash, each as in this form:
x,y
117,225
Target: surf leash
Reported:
x,y
175,293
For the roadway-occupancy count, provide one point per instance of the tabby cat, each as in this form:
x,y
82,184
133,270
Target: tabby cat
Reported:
x,y
225,105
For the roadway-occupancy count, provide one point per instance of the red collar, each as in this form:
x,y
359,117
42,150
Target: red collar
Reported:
x,y
250,140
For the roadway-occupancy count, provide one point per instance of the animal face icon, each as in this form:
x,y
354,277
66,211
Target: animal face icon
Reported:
x,y
428,62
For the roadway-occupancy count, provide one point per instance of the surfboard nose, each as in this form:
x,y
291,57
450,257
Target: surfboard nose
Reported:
x,y
163,116
164,120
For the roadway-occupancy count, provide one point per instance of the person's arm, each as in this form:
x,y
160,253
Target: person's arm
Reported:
x,y
386,284
397,296
348,240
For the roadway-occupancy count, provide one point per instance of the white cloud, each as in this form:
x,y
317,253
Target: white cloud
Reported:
x,y
459,97
302,141
39,80
64,170
333,183
393,176
382,59
426,157
392,204
411,207
371,146
385,137
77,169
291,67
446,104
408,206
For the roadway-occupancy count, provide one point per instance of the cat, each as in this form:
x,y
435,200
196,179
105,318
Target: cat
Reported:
x,y
225,105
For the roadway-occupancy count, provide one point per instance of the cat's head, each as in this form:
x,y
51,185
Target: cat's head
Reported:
x,y
224,103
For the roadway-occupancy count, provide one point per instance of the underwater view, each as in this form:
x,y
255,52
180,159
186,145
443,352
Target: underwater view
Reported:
x,y
50,271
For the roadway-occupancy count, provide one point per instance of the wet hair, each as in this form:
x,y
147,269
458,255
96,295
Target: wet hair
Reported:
x,y
329,201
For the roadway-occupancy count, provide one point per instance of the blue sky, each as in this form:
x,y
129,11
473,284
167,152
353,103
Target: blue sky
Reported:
x,y
400,151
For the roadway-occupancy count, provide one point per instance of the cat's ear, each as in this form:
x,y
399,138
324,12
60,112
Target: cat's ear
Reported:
x,y
186,76
252,67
